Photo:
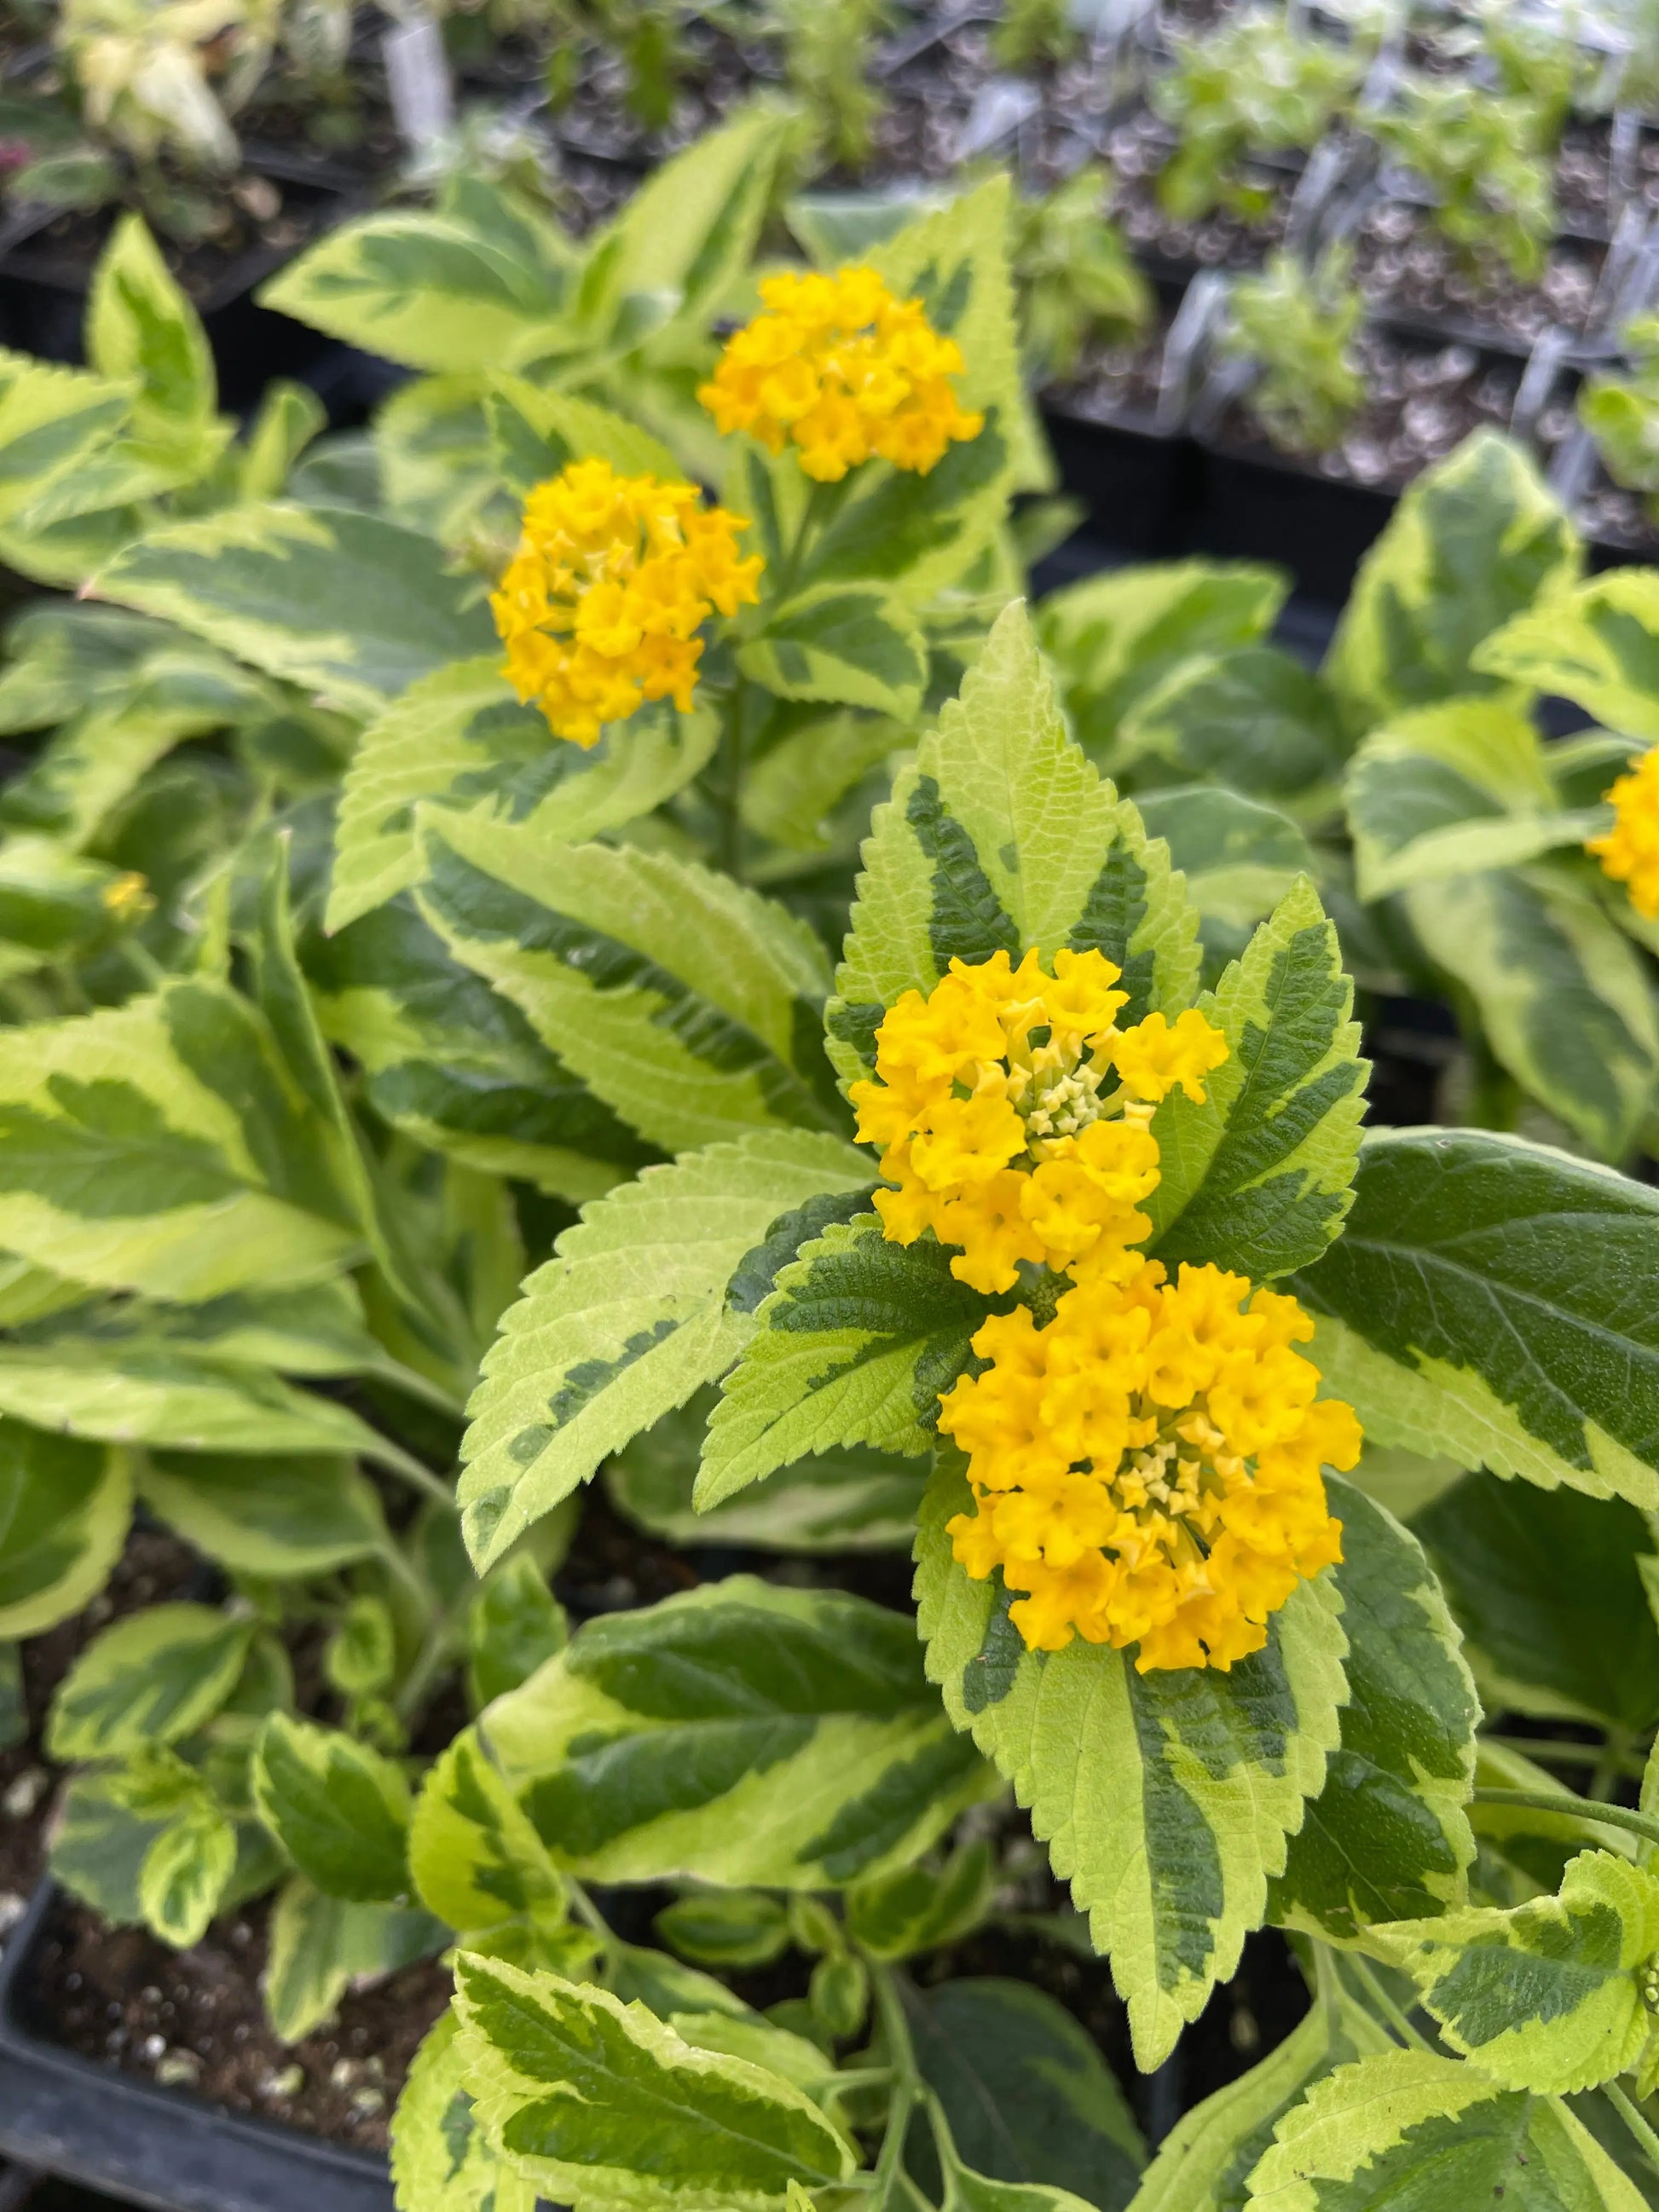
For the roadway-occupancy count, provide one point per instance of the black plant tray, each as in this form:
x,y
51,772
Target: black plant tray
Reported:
x,y
160,2148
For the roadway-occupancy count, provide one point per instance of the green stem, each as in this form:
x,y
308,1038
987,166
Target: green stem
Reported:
x,y
590,1916
1557,1752
732,747
1582,1809
1385,2004
397,1461
1630,2114
907,2083
1610,1765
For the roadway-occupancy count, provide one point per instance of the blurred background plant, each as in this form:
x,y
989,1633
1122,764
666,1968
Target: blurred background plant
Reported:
x,y
1078,280
1298,324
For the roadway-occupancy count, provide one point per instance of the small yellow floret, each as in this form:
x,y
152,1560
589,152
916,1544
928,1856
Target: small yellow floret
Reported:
x,y
600,606
1012,1115
1630,851
1146,1470
844,370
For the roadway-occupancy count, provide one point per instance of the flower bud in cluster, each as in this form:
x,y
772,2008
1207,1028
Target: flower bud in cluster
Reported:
x,y
844,370
600,606
1014,1114
1147,1468
1630,851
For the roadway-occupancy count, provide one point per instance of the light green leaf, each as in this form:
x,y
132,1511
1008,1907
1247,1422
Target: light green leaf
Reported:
x,y
98,1842
852,1499
513,1626
417,287
1258,1176
151,1679
535,434
456,1066
64,1509
277,1516
340,602
1387,1837
1000,836
158,1147
442,2159
599,2104
1485,1302
1026,2094
790,792
1405,2128
1597,645
141,330
458,738
437,472
1115,636
288,418
626,1321
729,1928
474,1858
184,1874
1566,1000
1452,789
1166,1799
689,1004
1202,2164
54,423
1548,1589
1239,857
1249,716
338,1809
854,648
738,1733
1476,539
914,1909
319,1945
1547,1995
854,1346
56,907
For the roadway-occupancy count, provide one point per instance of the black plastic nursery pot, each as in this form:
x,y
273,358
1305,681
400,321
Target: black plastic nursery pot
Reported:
x,y
64,2114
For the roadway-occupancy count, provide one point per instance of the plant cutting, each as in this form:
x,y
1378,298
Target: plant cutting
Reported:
x,y
1297,325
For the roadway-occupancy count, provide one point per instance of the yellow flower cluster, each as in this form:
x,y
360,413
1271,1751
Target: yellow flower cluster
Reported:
x,y
845,370
600,606
990,1102
1630,851
1147,1468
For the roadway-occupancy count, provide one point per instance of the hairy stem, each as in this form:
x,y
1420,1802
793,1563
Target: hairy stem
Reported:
x,y
1582,1809
1397,2020
1641,2133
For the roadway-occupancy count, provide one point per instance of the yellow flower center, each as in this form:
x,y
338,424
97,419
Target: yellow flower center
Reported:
x,y
1147,1468
844,370
1630,851
1014,1114
614,575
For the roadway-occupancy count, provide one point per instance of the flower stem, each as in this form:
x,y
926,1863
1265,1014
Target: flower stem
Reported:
x,y
1582,1809
1641,2133
1397,2020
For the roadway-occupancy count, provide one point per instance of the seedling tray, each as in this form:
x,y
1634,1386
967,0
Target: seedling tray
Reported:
x,y
163,2149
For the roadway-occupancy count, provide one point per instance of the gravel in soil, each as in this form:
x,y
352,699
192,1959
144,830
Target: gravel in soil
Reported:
x,y
193,2020
1406,268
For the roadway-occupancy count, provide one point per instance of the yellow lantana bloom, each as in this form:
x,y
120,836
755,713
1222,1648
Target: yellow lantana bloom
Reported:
x,y
600,606
1146,1470
1014,1114
842,368
1630,851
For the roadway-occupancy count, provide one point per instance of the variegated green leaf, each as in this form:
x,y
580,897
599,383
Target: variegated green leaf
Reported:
x,y
1239,857
1387,1836
628,1319
459,738
534,434
850,1500
1166,1799
54,423
1248,714
1487,1302
851,646
1450,790
457,1066
1405,2128
1476,539
442,2159
275,1516
1204,2163
151,1679
158,1147
475,1857
184,1873
738,1732
1597,645
141,330
691,1004
1546,1995
1258,1176
64,1510
345,603
339,1809
318,1945
1566,1002
513,1625
1115,637
598,2104
854,1346
1001,836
